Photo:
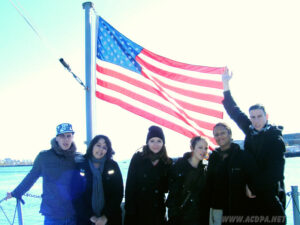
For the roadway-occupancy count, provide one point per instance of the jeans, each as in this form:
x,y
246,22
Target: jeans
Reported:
x,y
66,221
215,216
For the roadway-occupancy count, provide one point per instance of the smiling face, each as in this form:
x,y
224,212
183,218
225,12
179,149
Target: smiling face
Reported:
x,y
200,149
64,140
222,137
258,118
155,144
99,149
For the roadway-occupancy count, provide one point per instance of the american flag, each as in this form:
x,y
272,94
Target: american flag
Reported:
x,y
182,97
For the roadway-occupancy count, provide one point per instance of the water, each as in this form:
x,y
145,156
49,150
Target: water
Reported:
x,y
12,176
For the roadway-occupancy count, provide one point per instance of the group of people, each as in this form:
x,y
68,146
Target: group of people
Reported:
x,y
235,186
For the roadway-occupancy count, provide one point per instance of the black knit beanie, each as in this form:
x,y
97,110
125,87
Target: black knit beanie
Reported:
x,y
155,131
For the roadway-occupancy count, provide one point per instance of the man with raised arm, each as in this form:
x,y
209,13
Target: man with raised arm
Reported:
x,y
265,143
56,167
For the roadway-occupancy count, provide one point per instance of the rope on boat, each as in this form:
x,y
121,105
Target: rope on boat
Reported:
x,y
14,217
18,8
25,18
51,50
2,199
11,223
294,201
288,202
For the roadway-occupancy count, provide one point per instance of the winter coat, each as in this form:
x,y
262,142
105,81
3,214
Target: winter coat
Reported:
x,y
267,147
146,186
56,171
187,203
227,179
113,192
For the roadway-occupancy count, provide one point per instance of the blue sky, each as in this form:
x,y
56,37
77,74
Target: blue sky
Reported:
x,y
258,40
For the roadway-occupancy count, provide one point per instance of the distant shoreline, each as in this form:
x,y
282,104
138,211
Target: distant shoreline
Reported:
x,y
292,154
15,165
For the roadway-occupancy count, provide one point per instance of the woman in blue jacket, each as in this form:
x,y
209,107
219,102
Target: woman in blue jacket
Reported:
x,y
99,184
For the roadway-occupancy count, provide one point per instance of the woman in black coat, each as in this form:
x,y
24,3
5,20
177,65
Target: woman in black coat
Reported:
x,y
187,204
99,185
147,181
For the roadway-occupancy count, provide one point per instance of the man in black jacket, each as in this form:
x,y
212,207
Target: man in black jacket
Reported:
x,y
229,171
56,166
265,143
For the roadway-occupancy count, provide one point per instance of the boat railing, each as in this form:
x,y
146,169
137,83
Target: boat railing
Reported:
x,y
18,209
8,220
293,197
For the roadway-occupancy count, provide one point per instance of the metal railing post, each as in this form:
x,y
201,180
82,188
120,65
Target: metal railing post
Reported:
x,y
19,210
295,200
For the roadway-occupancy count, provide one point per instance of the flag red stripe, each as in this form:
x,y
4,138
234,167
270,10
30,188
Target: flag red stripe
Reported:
x,y
181,110
149,116
145,114
198,109
180,77
141,98
131,81
185,66
192,94
150,102
126,78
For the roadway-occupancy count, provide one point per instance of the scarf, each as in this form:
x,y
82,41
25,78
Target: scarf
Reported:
x,y
69,154
98,192
154,156
254,132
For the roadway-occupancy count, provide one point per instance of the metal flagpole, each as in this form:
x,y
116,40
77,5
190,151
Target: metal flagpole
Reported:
x,y
89,73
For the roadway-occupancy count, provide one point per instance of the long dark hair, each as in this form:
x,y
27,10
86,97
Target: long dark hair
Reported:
x,y
110,152
147,153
